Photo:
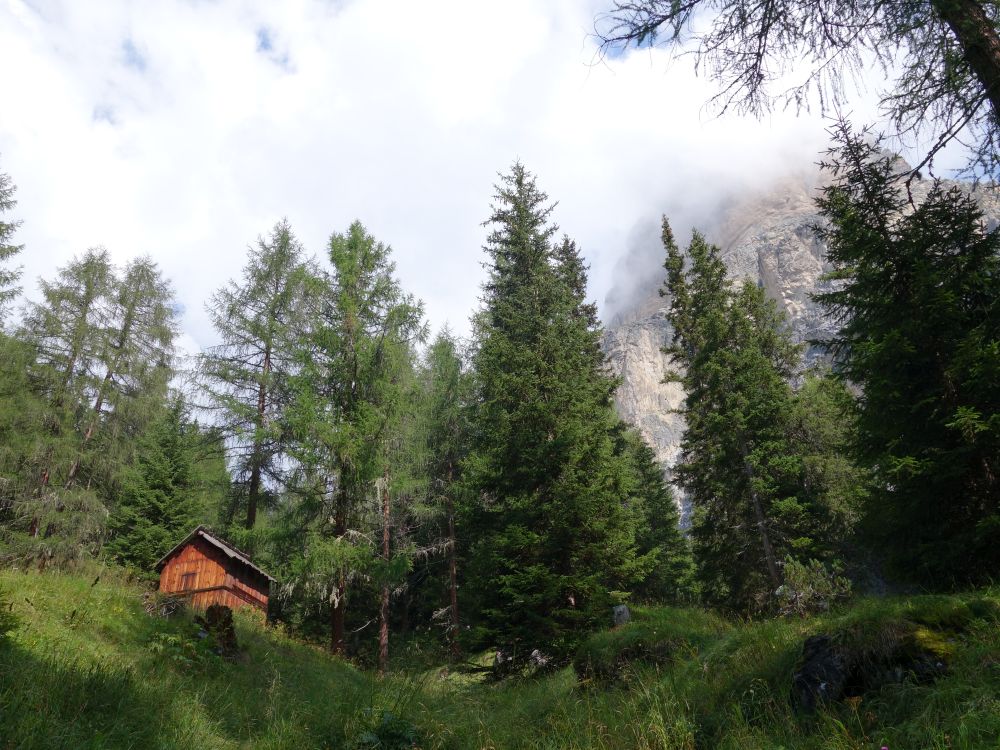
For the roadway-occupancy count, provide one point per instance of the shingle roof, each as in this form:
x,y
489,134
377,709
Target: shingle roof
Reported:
x,y
218,542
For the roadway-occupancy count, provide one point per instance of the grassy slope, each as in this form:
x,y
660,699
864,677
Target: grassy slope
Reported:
x,y
87,668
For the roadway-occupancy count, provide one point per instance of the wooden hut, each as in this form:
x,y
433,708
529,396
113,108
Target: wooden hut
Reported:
x,y
208,570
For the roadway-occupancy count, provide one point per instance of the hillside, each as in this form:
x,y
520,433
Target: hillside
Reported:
x,y
86,667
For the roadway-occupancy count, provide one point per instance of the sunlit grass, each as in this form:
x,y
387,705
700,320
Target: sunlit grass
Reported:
x,y
87,668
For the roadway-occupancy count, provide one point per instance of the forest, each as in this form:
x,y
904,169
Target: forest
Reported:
x,y
478,501
484,492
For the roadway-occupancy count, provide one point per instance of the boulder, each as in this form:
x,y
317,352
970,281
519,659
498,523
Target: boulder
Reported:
x,y
621,614
823,673
852,663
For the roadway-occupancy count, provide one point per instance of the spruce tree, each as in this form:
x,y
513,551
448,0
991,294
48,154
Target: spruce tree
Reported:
x,y
245,376
8,276
671,576
918,303
158,501
734,356
553,541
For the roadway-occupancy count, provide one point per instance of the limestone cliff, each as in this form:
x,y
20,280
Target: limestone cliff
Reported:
x,y
768,238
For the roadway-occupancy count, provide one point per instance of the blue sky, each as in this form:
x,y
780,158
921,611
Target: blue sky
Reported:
x,y
184,129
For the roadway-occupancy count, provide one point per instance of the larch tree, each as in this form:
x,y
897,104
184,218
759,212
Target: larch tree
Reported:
x,y
552,538
133,363
246,375
347,396
67,331
918,304
8,275
944,55
102,346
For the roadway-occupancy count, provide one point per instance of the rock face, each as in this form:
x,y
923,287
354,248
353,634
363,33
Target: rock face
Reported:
x,y
768,238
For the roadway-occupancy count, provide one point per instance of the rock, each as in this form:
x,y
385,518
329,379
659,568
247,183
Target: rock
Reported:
x,y
824,671
621,614
767,238
538,659
851,664
218,622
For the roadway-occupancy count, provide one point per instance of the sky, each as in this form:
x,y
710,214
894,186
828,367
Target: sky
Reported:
x,y
183,129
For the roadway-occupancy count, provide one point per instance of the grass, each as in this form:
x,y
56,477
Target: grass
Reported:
x,y
87,668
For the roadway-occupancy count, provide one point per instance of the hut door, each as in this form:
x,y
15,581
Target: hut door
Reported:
x,y
187,581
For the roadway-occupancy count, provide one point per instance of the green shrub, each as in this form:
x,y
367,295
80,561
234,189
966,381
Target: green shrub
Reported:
x,y
810,588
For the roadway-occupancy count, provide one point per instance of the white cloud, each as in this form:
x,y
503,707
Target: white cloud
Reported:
x,y
183,129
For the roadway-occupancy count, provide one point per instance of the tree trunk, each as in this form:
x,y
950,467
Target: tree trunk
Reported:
x,y
979,42
337,615
383,632
456,651
255,462
98,403
758,512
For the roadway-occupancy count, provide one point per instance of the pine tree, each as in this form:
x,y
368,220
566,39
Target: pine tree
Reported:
x,y
8,276
246,375
553,538
918,303
734,356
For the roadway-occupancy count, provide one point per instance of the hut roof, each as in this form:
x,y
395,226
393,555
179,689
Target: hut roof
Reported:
x,y
217,542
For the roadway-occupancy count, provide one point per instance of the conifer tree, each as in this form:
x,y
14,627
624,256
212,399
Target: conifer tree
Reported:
x,y
8,276
158,503
446,434
671,576
246,375
133,361
347,396
553,540
734,357
918,303
67,331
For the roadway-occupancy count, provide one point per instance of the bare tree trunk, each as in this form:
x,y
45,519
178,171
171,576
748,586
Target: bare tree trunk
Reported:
x,y
337,615
979,42
255,461
456,650
383,632
758,511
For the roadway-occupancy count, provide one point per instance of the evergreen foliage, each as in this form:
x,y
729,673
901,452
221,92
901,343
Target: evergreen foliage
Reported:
x,y
8,276
552,541
671,576
347,394
246,375
740,467
918,303
161,496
